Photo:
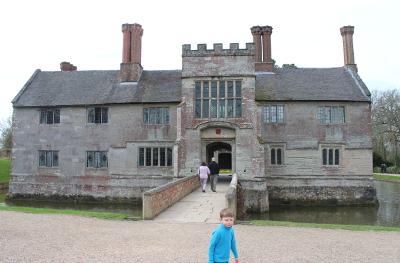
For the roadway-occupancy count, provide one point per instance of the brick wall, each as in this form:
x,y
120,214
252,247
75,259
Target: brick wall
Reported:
x,y
157,200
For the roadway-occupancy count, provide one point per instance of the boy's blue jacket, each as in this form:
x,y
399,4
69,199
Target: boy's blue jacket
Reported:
x,y
221,243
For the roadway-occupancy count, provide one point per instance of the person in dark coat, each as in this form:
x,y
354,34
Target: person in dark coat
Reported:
x,y
214,173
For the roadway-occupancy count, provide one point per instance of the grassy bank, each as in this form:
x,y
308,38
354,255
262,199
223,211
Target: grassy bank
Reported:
x,y
31,210
386,177
324,226
112,216
5,165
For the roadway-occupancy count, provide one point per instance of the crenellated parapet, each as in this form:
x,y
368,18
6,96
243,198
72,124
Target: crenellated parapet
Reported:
x,y
218,50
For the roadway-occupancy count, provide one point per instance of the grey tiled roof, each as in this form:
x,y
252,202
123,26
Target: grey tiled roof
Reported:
x,y
301,84
63,88
69,88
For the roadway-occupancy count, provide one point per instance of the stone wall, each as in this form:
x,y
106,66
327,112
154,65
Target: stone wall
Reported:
x,y
325,191
157,200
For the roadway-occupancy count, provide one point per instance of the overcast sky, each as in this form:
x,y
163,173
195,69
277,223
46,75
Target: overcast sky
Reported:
x,y
41,34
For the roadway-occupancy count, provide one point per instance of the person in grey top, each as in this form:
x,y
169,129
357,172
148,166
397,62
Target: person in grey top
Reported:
x,y
214,172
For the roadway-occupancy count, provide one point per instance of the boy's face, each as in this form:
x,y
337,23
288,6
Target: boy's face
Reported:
x,y
227,221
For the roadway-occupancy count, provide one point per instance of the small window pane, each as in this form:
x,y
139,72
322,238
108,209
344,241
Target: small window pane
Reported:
x,y
206,108
337,157
320,115
335,117
330,156
166,115
162,156
148,156
90,159
197,109
159,115
56,115
155,156
222,89
206,90
238,108
214,109
222,108
279,156
273,156
238,88
91,114
266,114
327,114
152,115
198,90
145,115
280,114
49,117
42,158
169,156
214,89
103,159
324,157
230,109
342,114
55,158
141,156
273,114
104,115
230,89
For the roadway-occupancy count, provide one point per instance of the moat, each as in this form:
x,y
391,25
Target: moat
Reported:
x,y
386,214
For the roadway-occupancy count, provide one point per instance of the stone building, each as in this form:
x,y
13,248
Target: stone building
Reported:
x,y
292,135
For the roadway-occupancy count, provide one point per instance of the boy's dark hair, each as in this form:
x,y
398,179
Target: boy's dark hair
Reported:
x,y
226,212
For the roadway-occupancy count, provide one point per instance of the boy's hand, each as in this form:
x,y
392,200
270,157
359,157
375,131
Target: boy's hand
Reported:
x,y
236,260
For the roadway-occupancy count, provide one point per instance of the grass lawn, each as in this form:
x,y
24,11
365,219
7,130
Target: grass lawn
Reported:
x,y
388,177
101,215
5,165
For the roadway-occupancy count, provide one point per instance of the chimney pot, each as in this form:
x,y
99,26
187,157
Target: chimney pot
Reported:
x,y
66,66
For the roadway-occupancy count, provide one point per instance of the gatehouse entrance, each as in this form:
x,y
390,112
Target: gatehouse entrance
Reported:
x,y
222,152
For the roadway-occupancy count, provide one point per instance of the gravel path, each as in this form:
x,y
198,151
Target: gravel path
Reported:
x,y
63,238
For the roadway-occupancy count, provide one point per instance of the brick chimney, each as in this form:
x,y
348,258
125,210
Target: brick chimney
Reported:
x,y
348,51
131,67
262,41
66,66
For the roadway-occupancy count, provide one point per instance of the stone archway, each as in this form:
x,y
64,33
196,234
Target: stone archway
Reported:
x,y
222,152
219,142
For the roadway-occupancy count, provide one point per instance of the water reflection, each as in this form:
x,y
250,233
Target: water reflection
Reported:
x,y
387,214
134,209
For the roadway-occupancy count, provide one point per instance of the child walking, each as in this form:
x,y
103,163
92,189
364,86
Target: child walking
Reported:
x,y
223,239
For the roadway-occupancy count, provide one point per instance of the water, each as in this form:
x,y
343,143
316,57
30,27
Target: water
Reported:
x,y
134,209
386,214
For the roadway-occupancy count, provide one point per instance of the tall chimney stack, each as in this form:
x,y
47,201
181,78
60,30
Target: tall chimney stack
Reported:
x,y
66,66
348,51
262,42
131,67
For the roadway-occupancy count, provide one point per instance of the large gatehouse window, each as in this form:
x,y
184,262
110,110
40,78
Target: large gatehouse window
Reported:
x,y
218,99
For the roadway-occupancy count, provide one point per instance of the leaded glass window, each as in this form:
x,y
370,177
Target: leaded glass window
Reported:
x,y
48,158
155,156
211,99
156,115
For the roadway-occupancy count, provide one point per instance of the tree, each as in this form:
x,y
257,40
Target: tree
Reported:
x,y
386,124
5,133
289,66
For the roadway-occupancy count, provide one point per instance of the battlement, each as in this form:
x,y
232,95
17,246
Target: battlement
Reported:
x,y
202,50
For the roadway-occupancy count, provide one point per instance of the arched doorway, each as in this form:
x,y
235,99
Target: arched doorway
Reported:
x,y
222,152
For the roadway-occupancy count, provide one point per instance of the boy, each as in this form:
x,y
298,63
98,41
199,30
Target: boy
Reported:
x,y
223,239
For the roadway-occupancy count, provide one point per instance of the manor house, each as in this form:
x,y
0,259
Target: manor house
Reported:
x,y
291,135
